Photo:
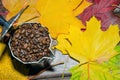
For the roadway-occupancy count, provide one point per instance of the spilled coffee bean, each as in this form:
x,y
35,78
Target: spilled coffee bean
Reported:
x,y
30,42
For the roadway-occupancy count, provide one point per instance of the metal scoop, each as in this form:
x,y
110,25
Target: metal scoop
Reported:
x,y
6,25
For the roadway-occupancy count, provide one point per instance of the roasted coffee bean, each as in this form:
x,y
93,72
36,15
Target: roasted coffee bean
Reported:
x,y
39,57
45,50
23,59
29,30
26,41
39,46
35,47
35,50
37,35
25,45
17,35
30,42
28,49
22,31
37,32
32,35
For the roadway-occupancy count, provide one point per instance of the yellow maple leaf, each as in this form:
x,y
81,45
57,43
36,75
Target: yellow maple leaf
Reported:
x,y
7,70
91,45
14,6
58,15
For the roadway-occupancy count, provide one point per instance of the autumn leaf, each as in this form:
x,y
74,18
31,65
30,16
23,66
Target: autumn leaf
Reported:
x,y
2,48
109,70
58,15
14,6
92,48
91,45
106,71
103,11
7,70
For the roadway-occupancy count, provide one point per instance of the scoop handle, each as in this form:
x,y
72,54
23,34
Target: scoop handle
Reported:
x,y
3,22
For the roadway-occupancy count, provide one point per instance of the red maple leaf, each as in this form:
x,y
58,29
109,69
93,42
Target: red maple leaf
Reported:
x,y
103,11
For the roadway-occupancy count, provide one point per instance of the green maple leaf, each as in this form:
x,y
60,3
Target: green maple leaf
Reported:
x,y
109,70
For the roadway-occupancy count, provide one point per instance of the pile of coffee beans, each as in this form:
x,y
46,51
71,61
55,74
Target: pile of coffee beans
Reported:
x,y
30,42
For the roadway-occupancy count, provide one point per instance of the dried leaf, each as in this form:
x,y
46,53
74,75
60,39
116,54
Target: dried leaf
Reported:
x,y
14,6
103,11
58,15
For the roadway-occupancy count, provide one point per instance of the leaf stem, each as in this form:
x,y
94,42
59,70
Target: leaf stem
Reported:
x,y
78,5
32,18
88,71
83,63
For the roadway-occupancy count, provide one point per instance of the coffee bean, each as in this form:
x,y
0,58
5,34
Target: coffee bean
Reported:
x,y
23,59
29,31
31,35
45,50
26,40
39,56
28,49
22,31
35,50
17,35
37,35
25,45
37,32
